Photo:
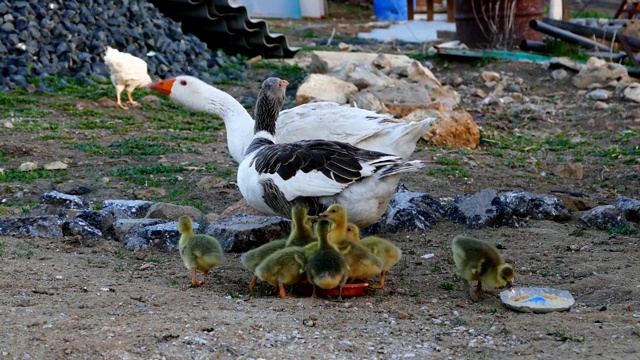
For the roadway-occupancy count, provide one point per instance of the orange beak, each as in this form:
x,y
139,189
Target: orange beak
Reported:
x,y
163,87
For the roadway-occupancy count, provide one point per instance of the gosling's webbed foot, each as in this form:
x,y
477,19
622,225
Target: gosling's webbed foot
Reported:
x,y
122,106
134,103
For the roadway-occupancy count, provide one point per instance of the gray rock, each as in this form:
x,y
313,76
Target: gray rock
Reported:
x,y
604,218
127,209
37,226
123,227
242,232
536,206
164,236
66,201
101,220
77,226
629,207
168,211
368,101
407,211
482,209
599,94
559,74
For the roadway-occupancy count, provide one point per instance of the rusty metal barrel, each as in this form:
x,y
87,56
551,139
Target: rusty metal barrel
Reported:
x,y
484,23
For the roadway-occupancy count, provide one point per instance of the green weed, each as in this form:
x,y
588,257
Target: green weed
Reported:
x,y
144,175
624,230
294,74
29,176
150,145
446,286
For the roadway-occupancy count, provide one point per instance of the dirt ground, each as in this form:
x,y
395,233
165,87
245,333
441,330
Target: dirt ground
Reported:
x,y
62,299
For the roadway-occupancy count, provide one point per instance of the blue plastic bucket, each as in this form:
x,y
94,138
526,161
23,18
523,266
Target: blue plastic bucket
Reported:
x,y
391,10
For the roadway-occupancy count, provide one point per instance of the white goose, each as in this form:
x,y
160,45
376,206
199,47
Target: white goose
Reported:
x,y
325,120
317,172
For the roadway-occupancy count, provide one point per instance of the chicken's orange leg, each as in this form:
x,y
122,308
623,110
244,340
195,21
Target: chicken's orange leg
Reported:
x,y
119,89
194,278
131,101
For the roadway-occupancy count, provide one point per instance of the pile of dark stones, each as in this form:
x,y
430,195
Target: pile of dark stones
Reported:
x,y
39,39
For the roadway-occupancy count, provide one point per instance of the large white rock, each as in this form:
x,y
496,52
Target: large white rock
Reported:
x,y
632,92
324,88
327,61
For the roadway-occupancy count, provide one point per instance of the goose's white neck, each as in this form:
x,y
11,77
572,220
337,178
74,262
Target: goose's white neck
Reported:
x,y
237,121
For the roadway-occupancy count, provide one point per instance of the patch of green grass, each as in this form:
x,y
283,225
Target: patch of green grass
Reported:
x,y
29,176
84,113
558,143
496,152
421,56
562,48
308,34
3,246
590,14
3,156
94,124
151,145
35,125
615,151
450,171
31,112
120,267
577,233
625,230
180,120
15,98
446,286
76,88
447,162
56,136
147,175
294,74
485,60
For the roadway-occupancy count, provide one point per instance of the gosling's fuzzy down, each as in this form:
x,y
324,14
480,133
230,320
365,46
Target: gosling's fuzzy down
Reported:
x,y
198,251
326,268
478,261
384,249
283,267
361,261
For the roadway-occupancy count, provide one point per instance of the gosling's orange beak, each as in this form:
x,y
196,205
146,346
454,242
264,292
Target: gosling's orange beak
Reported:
x,y
163,87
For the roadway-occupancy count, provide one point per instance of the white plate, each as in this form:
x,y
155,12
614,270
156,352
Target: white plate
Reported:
x,y
537,300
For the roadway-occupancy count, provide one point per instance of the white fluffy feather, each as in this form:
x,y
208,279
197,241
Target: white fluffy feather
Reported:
x,y
126,68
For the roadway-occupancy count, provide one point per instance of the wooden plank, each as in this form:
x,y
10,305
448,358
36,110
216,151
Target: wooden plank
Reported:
x,y
566,10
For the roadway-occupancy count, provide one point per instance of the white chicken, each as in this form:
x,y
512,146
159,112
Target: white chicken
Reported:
x,y
127,73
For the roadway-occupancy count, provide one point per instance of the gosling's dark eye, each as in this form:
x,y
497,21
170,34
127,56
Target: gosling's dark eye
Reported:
x,y
183,82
